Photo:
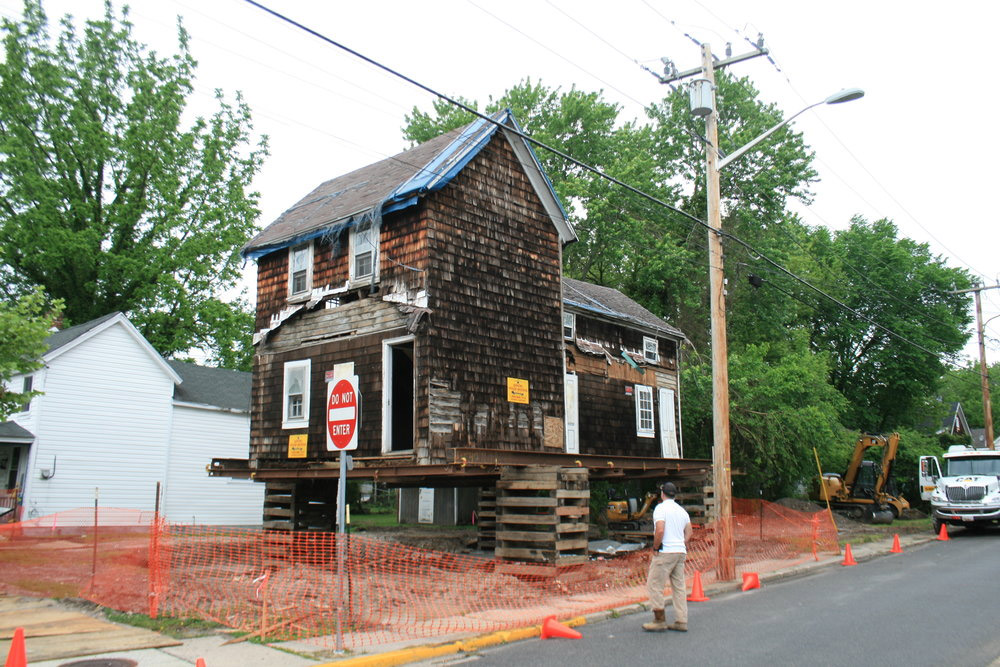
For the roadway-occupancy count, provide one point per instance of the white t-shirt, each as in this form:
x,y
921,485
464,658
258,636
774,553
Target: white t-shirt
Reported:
x,y
674,518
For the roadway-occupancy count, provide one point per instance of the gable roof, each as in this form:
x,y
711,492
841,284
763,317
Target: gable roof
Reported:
x,y
60,342
397,183
955,421
217,387
57,339
610,303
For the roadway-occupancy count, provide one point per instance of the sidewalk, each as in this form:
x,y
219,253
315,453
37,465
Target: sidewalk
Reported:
x,y
301,654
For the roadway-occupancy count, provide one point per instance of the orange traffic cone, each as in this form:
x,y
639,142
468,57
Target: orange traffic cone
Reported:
x,y
848,556
200,663
750,580
697,594
896,549
552,628
943,534
17,655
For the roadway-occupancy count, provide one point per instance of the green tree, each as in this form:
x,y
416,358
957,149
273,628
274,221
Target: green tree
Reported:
x,y
895,284
107,200
24,326
963,385
781,406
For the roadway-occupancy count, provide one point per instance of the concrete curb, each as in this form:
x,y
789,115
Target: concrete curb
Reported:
x,y
426,652
862,553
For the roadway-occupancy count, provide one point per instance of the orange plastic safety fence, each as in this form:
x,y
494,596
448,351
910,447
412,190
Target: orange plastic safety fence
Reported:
x,y
353,590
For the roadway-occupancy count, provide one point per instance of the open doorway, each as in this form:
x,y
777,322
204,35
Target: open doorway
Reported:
x,y
398,370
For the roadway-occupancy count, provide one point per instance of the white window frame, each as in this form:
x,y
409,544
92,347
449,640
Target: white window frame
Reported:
x,y
645,417
359,246
302,368
569,322
307,248
651,344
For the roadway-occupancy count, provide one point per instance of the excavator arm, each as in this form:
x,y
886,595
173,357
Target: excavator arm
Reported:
x,y
888,458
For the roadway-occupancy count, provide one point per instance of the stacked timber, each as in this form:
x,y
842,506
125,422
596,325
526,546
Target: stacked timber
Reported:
x,y
486,518
301,505
696,496
542,515
279,505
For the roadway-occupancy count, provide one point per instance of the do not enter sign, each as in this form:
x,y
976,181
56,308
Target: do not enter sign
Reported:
x,y
343,414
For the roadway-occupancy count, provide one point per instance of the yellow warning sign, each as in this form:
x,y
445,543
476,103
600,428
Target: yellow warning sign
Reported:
x,y
297,445
517,390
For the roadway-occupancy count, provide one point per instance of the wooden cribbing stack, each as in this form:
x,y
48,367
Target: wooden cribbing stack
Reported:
x,y
542,515
486,518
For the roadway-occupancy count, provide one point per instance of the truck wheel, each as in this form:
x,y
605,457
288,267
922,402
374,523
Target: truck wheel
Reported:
x,y
936,525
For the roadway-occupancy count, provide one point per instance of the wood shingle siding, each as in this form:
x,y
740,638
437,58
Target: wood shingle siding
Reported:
x,y
495,295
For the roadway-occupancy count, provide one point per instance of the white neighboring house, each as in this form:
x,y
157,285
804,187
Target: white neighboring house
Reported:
x,y
115,416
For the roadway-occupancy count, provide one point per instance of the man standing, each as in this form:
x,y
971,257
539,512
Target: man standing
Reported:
x,y
671,531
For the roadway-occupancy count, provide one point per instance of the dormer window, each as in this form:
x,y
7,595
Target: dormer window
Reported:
x,y
300,270
650,349
364,250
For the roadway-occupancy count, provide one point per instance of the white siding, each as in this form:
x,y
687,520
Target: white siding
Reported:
x,y
191,496
106,417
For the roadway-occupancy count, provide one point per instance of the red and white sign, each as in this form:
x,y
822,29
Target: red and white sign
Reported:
x,y
343,414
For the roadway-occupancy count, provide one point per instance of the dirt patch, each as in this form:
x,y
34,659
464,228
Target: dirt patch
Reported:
x,y
440,538
848,527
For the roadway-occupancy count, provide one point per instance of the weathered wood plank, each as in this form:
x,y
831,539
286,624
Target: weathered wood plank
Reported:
x,y
527,519
526,502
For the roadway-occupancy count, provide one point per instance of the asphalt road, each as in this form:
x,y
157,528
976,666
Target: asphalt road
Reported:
x,y
935,604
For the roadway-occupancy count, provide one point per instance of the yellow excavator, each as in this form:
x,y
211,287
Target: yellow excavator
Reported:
x,y
628,514
863,492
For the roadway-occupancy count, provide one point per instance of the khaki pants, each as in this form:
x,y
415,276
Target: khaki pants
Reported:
x,y
660,568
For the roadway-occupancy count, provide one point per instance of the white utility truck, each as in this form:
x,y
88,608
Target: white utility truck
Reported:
x,y
968,494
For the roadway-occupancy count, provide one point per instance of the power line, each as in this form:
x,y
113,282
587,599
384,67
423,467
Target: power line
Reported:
x,y
593,170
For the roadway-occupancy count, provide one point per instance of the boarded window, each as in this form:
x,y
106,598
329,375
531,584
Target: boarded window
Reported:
x,y
295,407
300,270
644,425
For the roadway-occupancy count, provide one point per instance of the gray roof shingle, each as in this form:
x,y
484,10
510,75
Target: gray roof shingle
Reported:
x,y
609,302
345,196
12,430
219,387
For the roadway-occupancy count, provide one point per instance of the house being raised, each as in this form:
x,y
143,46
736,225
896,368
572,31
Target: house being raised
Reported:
x,y
117,419
435,277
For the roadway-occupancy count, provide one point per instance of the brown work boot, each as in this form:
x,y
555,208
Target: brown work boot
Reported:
x,y
658,624
678,626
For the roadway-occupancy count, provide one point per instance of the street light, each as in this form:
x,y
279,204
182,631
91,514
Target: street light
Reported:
x,y
848,95
703,104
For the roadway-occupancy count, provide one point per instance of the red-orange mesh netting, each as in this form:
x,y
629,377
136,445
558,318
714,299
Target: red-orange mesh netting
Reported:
x,y
351,591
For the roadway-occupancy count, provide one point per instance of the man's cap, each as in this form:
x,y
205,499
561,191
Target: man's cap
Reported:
x,y
669,489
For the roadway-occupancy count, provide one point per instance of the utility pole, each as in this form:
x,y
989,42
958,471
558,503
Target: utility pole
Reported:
x,y
984,376
726,568
721,464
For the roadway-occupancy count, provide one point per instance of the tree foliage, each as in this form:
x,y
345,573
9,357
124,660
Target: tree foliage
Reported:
x,y
107,200
895,285
24,326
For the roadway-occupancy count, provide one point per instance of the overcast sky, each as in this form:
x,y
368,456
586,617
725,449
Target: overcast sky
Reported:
x,y
920,148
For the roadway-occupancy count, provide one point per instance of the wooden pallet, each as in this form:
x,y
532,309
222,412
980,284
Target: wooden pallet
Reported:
x,y
542,515
486,518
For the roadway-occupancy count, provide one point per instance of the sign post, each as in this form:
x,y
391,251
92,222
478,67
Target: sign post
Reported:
x,y
343,416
